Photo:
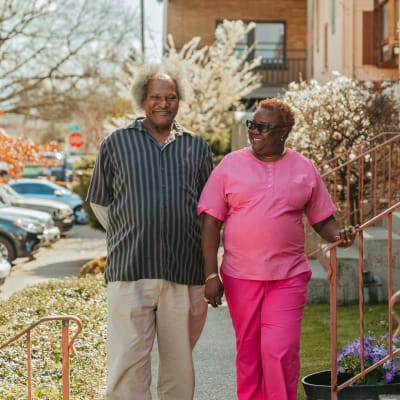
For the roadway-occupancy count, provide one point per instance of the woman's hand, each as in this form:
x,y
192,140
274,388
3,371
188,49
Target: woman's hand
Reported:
x,y
329,230
347,235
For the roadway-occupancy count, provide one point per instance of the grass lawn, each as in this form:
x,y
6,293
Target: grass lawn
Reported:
x,y
86,298
315,343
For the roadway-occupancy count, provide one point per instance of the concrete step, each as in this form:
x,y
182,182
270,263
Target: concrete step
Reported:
x,y
349,253
380,233
375,263
346,279
318,287
376,255
395,222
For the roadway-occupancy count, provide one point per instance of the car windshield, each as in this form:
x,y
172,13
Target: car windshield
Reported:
x,y
9,192
4,197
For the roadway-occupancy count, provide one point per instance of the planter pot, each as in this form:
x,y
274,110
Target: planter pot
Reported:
x,y
317,387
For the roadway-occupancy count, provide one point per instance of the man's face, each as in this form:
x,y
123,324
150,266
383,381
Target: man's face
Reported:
x,y
161,103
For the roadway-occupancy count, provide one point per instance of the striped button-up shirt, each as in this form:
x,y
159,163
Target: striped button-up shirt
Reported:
x,y
151,191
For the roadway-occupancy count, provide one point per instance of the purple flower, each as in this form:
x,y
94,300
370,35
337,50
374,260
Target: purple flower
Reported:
x,y
375,349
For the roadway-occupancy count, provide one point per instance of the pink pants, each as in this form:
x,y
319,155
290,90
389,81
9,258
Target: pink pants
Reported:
x,y
266,318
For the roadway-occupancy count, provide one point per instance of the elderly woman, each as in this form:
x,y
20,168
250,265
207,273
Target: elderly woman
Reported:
x,y
260,194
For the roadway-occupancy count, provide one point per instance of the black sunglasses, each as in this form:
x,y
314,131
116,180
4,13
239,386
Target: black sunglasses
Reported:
x,y
263,127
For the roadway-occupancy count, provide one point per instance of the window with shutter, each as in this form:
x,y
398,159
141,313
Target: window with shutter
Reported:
x,y
386,17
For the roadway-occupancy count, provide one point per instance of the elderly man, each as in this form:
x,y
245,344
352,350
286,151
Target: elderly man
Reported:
x,y
144,190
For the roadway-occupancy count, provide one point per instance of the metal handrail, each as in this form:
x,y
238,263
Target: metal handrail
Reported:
x,y
331,265
66,346
328,165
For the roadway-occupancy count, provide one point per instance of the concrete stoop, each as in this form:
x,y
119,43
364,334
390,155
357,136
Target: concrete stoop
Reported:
x,y
346,281
375,246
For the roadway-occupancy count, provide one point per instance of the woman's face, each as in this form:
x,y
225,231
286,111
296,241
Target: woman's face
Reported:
x,y
270,139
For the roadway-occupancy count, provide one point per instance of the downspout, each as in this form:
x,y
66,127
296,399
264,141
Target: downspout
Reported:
x,y
310,40
353,21
398,43
348,13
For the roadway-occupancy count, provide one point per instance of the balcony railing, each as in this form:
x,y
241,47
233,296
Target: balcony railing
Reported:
x,y
287,70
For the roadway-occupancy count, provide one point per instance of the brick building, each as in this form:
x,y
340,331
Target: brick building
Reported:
x,y
280,35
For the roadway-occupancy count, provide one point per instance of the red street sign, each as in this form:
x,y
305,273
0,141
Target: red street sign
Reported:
x,y
76,139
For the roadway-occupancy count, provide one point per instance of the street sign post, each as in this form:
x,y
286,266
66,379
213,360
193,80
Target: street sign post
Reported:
x,y
75,136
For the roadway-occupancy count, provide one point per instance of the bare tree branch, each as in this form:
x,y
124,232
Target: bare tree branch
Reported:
x,y
56,53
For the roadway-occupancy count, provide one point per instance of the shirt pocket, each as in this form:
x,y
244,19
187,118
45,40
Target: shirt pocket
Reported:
x,y
295,194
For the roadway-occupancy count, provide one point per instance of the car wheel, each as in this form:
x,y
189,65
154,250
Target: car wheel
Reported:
x,y
7,249
80,215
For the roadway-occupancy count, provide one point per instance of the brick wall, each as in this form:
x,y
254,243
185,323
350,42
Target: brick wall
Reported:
x,y
187,18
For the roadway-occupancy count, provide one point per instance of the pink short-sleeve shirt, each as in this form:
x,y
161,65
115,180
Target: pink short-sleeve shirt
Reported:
x,y
262,205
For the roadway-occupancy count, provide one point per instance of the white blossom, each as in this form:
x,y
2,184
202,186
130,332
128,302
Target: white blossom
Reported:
x,y
219,77
333,117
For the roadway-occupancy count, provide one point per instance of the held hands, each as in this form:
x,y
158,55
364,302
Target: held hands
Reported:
x,y
214,290
347,235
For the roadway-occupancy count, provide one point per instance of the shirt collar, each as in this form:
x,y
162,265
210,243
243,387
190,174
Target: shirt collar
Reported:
x,y
177,129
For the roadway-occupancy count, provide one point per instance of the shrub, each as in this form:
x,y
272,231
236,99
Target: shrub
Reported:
x,y
95,266
85,298
84,169
339,114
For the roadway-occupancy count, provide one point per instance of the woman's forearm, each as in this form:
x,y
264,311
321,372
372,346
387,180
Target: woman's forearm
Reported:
x,y
210,238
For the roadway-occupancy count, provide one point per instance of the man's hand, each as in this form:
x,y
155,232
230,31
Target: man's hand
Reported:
x,y
213,292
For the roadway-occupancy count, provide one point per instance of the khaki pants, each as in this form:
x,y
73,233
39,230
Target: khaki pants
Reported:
x,y
139,310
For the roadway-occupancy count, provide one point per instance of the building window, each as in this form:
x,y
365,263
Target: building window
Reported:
x,y
267,41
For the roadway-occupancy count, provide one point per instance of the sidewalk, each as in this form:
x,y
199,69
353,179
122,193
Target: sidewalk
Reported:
x,y
214,357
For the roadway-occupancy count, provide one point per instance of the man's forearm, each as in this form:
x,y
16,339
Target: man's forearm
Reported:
x,y
101,213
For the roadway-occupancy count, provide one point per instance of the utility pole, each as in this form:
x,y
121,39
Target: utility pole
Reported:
x,y
142,29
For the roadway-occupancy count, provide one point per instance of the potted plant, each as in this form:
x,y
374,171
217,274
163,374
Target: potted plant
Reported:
x,y
385,379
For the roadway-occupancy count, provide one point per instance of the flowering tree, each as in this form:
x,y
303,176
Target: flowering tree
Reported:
x,y
15,151
334,117
219,77
336,120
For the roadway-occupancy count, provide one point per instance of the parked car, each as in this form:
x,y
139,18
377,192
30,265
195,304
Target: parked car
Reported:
x,y
19,237
62,214
59,170
42,188
50,234
5,270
